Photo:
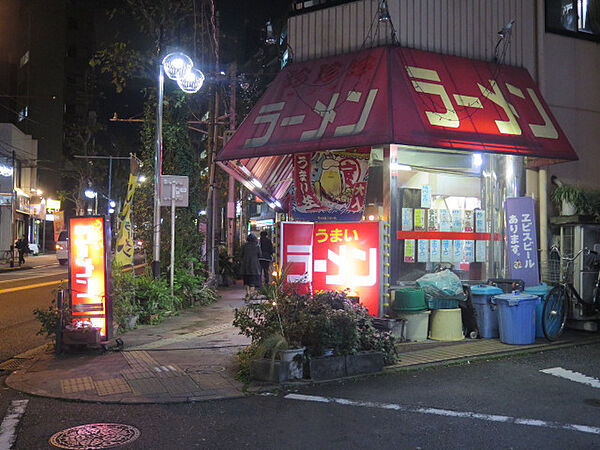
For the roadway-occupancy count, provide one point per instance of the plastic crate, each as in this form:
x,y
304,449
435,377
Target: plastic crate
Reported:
x,y
441,303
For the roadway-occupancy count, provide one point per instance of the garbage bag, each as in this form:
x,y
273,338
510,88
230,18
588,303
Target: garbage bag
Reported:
x,y
442,285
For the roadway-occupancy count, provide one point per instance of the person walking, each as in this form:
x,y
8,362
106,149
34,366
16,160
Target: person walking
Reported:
x,y
250,267
23,248
266,250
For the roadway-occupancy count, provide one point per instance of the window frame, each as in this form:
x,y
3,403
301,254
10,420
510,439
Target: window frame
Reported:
x,y
562,31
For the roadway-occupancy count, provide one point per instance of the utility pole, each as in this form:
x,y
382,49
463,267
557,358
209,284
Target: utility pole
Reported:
x,y
231,190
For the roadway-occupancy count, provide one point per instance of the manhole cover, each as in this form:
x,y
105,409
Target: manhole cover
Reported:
x,y
593,402
205,369
95,436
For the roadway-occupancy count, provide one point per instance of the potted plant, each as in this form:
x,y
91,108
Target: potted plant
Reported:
x,y
569,200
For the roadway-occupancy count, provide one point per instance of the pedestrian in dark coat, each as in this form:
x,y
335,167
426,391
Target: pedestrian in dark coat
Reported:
x,y
250,268
23,248
266,250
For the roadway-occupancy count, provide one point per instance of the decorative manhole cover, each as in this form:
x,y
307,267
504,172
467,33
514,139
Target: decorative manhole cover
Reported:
x,y
205,369
95,436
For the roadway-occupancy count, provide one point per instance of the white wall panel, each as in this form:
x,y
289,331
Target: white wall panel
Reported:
x,y
458,27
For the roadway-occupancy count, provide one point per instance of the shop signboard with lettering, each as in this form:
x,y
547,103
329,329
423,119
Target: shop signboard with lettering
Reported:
x,y
89,277
521,240
341,256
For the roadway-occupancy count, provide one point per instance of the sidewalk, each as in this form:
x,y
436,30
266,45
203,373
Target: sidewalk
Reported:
x,y
191,357
31,262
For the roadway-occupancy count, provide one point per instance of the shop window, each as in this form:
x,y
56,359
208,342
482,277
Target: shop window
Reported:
x,y
576,18
303,6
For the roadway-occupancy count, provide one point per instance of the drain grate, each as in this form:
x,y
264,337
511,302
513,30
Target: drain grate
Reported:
x,y
12,364
205,369
95,436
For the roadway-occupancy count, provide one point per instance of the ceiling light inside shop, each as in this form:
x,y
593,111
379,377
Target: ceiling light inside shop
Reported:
x,y
402,167
477,160
256,183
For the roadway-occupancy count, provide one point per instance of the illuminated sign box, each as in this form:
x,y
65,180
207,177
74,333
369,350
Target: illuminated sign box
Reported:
x,y
89,277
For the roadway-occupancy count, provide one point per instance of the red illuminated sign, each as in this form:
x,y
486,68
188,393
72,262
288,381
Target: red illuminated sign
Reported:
x,y
335,257
90,305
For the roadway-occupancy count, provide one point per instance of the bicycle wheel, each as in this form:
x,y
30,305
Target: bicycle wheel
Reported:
x,y
554,314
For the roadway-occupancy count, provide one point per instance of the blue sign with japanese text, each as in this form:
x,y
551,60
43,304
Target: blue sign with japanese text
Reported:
x,y
521,240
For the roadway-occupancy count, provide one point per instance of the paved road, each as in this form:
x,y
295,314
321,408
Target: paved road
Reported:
x,y
505,403
20,293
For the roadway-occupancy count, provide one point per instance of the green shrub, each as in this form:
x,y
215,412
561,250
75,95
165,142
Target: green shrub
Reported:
x,y
192,289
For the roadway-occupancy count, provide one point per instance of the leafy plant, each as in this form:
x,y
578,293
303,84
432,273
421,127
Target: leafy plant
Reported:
x,y
48,317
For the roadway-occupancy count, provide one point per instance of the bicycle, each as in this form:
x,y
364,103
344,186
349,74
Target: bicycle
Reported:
x,y
6,256
562,298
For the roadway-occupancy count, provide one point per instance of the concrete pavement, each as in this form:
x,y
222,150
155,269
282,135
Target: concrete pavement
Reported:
x,y
31,262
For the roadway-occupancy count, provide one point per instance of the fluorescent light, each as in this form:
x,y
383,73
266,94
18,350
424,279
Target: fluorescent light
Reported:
x,y
400,167
256,183
477,160
277,203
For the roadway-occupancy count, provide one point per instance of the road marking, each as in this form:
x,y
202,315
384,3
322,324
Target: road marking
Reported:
x,y
8,427
30,286
447,413
573,376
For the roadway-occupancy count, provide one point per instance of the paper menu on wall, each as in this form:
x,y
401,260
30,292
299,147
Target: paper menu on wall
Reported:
x,y
445,220
425,196
432,220
435,251
446,250
407,219
469,251
480,251
457,220
468,221
480,221
420,220
457,255
423,250
409,250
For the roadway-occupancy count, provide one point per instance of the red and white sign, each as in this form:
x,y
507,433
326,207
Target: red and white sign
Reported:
x,y
90,304
394,95
335,257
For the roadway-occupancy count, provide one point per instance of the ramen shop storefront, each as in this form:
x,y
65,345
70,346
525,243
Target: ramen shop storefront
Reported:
x,y
424,147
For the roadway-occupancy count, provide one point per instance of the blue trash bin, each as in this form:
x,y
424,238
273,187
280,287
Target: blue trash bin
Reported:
x,y
516,317
541,290
487,317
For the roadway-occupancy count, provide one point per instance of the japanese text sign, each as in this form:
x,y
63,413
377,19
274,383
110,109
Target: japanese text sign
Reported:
x,y
88,275
336,257
394,95
521,240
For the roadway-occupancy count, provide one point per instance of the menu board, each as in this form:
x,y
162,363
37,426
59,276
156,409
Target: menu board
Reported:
x,y
435,250
425,196
469,251
407,219
423,250
457,220
445,220
420,216
409,250
432,220
446,250
457,255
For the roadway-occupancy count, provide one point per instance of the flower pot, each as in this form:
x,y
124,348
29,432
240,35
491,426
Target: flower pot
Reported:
x,y
567,209
293,358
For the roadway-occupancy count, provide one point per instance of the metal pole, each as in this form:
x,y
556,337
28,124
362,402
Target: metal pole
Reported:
x,y
44,236
13,207
157,174
172,235
109,181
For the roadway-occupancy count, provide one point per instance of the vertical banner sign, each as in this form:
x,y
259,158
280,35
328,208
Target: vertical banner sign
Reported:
x,y
59,223
88,277
330,185
521,239
297,253
124,246
346,256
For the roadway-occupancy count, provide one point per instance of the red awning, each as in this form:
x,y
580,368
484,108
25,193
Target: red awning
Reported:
x,y
393,95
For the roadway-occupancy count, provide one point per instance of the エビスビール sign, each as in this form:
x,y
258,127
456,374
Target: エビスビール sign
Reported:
x,y
88,275
521,240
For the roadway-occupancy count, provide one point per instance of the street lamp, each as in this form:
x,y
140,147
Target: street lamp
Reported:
x,y
178,67
89,193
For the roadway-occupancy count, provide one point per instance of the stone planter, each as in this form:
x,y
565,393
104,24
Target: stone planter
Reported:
x,y
264,370
364,362
327,367
293,359
81,336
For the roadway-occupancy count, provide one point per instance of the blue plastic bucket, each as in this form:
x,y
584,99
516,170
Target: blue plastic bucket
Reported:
x,y
487,317
541,290
516,317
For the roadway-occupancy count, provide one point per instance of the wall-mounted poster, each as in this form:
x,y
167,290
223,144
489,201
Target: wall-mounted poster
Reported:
x,y
425,196
423,250
446,250
407,219
435,250
409,250
420,218
445,220
432,220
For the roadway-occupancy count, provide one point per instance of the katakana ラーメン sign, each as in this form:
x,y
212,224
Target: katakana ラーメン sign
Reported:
x,y
394,95
342,256
88,274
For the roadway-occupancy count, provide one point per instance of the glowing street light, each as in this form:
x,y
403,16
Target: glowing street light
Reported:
x,y
178,67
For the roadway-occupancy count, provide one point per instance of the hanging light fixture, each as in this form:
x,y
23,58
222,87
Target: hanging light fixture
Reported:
x,y
506,29
384,14
191,81
270,39
176,65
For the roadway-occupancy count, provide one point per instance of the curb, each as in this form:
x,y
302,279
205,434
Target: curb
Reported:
x,y
13,269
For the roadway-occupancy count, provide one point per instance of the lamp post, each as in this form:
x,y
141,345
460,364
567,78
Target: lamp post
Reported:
x,y
89,193
179,67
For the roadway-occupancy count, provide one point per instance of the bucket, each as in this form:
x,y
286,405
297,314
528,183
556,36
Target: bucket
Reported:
x,y
485,311
541,290
417,325
409,299
446,325
516,317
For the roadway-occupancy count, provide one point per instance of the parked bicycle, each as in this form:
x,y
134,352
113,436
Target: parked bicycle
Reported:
x,y
6,256
563,297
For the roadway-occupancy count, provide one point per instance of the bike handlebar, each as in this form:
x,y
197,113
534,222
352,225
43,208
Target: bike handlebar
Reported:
x,y
585,251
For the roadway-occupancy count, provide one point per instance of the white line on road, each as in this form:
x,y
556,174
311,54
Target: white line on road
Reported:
x,y
447,413
8,428
573,376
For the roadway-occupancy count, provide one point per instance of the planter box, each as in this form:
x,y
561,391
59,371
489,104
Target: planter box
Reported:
x,y
395,326
365,362
327,368
261,370
81,336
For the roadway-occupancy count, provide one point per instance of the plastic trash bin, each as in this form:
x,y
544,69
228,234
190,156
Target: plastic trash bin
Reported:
x,y
417,325
516,317
487,316
541,291
409,299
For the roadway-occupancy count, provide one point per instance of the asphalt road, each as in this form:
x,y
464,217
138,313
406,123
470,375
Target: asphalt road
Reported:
x,y
20,293
505,403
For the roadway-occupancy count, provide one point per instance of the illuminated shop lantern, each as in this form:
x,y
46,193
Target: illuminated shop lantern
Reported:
x,y
88,279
